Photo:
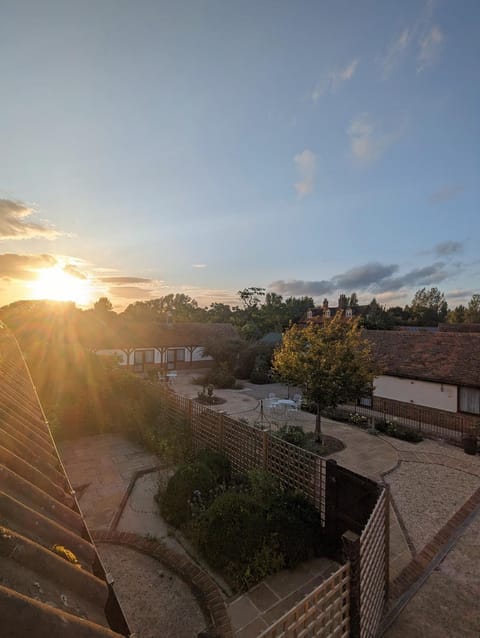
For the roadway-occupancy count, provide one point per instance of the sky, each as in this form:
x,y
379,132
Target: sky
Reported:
x,y
201,147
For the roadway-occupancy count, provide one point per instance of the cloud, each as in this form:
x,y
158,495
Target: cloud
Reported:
x,y
373,278
306,164
461,294
199,265
447,248
446,193
14,223
395,53
428,275
15,266
367,141
363,276
73,271
332,82
429,48
300,288
125,280
130,292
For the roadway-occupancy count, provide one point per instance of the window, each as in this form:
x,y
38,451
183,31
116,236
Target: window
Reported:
x,y
348,312
469,400
141,357
327,313
309,314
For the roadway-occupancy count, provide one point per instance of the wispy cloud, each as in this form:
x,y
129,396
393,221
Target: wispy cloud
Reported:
x,y
73,271
448,248
199,265
24,267
333,80
395,52
14,222
130,292
446,193
306,164
373,278
124,280
368,141
429,48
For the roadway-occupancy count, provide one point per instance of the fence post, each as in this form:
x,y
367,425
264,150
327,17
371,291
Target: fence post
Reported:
x,y
331,499
351,552
190,413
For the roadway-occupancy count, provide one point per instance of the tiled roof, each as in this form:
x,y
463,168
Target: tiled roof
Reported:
x,y
136,334
443,357
42,594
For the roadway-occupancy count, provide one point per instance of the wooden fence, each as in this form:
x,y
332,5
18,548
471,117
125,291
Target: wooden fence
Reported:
x,y
374,557
350,602
323,613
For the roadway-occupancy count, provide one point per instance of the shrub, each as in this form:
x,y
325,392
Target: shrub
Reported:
x,y
189,481
293,434
391,428
295,524
232,531
218,464
264,486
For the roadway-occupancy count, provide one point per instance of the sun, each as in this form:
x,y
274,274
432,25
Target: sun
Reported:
x,y
58,285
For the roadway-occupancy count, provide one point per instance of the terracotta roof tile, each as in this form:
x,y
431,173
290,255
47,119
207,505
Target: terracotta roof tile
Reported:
x,y
443,357
42,593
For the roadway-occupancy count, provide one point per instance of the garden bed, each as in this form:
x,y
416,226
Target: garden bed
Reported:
x,y
246,526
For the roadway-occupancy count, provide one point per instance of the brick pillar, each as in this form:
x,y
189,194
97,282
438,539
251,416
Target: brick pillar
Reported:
x,y
351,552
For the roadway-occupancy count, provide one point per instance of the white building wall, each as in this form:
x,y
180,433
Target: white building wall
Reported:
x,y
433,395
197,355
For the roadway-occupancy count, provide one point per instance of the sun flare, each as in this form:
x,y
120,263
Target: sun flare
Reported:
x,y
57,285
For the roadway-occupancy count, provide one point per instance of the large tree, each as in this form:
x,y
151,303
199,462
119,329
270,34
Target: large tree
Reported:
x,y
332,364
429,307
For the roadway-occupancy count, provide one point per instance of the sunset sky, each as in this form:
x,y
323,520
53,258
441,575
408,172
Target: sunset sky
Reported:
x,y
311,148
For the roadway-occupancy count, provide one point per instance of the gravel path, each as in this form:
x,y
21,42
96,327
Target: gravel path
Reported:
x,y
427,495
447,604
157,603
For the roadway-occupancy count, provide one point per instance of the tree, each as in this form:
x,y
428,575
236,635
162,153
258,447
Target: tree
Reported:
x,y
251,297
457,315
343,301
353,300
332,364
473,310
103,305
377,317
429,307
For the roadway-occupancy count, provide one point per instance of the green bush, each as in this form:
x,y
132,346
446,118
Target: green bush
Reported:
x,y
232,531
218,464
296,526
264,486
396,431
194,482
293,434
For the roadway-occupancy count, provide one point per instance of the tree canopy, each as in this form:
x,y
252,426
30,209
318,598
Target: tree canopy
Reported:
x,y
332,364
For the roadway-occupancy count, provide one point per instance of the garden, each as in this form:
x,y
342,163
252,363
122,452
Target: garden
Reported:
x,y
246,526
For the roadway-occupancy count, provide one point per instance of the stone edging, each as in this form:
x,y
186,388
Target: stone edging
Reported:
x,y
208,592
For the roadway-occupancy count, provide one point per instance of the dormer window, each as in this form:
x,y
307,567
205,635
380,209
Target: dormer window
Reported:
x,y
309,314
327,313
348,313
